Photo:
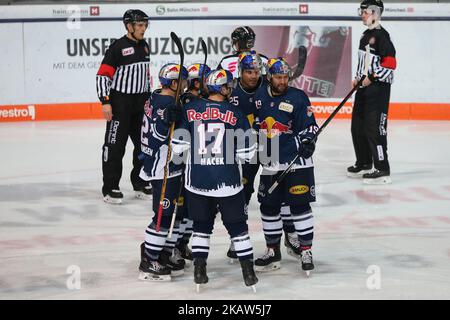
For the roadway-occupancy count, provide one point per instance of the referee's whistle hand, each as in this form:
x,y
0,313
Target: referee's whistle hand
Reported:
x,y
366,82
107,112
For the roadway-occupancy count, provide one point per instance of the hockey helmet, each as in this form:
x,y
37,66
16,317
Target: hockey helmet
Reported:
x,y
134,15
371,5
196,71
249,60
171,71
278,66
244,37
217,78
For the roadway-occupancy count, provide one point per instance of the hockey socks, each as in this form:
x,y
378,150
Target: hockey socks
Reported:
x,y
304,224
154,241
200,245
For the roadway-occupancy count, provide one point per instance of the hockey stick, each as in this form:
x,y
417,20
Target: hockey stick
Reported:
x,y
171,130
175,210
205,50
332,115
302,56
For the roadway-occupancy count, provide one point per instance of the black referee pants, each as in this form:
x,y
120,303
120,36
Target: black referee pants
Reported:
x,y
128,111
369,125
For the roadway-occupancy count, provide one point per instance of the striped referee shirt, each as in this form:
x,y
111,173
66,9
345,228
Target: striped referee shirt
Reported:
x,y
125,68
382,55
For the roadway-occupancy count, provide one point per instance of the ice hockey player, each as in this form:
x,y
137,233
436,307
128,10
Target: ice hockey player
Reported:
x,y
195,87
197,73
250,79
243,39
156,263
285,114
213,174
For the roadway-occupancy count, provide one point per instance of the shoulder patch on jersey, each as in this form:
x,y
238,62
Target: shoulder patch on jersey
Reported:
x,y
286,107
127,51
372,41
309,111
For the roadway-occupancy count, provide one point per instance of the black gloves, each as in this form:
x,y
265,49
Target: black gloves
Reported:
x,y
172,113
307,148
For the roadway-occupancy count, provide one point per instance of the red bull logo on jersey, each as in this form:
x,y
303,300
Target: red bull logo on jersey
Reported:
x,y
212,114
273,128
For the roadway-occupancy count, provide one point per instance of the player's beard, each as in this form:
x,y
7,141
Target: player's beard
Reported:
x,y
279,89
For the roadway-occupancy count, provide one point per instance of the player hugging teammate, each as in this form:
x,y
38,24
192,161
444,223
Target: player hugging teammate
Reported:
x,y
218,124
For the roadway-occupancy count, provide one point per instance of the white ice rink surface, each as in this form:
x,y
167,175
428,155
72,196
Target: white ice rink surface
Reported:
x,y
52,217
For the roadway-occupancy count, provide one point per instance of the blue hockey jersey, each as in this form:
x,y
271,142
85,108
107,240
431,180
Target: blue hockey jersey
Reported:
x,y
244,99
288,118
154,139
217,135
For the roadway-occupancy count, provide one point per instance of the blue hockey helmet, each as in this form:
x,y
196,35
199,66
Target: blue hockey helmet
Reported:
x,y
278,66
249,60
171,71
217,78
196,71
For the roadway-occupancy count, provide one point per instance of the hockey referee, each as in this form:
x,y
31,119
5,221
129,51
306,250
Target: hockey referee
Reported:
x,y
370,110
123,86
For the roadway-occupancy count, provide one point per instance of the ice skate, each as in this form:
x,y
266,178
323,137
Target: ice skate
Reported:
x,y
185,253
307,261
200,276
177,256
356,171
113,197
152,270
377,177
248,273
270,261
168,260
144,193
292,244
231,254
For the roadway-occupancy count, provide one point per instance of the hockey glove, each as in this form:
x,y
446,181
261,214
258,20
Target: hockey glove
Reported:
x,y
172,114
307,148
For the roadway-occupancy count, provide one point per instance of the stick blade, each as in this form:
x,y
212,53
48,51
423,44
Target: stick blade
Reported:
x,y
301,62
177,41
